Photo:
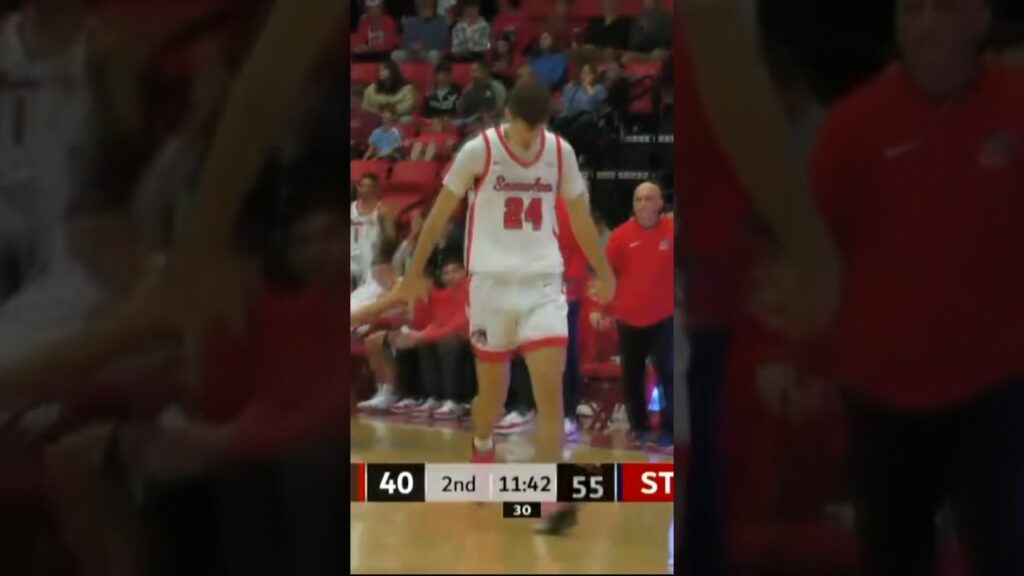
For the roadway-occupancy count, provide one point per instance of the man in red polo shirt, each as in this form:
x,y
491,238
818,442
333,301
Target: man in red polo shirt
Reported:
x,y
640,253
921,173
733,141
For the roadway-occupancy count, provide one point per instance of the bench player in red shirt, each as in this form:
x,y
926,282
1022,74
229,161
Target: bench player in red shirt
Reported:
x,y
513,174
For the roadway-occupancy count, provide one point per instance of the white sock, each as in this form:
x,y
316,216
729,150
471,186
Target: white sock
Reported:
x,y
483,445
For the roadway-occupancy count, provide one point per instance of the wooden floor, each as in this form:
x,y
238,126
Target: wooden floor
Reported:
x,y
467,538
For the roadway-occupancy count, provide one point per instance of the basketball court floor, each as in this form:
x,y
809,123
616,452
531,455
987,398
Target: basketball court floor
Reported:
x,y
457,538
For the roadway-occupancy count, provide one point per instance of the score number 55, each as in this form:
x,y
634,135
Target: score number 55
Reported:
x,y
587,487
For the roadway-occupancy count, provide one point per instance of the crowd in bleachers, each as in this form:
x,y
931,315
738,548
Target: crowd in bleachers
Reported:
x,y
426,77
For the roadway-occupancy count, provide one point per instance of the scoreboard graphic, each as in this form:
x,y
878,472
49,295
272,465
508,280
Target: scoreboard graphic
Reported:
x,y
520,487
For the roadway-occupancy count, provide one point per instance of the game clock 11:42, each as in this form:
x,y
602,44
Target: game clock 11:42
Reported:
x,y
526,483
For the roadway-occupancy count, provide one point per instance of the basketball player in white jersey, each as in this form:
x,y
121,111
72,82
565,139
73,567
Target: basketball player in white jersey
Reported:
x,y
371,224
511,175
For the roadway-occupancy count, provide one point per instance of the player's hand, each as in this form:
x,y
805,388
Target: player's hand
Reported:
x,y
412,288
797,297
602,288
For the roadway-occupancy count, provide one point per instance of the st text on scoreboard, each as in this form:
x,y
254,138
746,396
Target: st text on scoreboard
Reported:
x,y
622,482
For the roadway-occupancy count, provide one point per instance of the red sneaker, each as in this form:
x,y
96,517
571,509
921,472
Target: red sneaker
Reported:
x,y
482,456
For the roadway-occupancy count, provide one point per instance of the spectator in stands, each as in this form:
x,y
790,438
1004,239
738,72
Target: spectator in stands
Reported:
x,y
607,35
361,122
512,22
436,143
651,36
471,37
504,61
581,104
559,24
390,89
443,345
640,252
584,93
424,37
548,62
385,142
377,34
485,96
448,9
444,97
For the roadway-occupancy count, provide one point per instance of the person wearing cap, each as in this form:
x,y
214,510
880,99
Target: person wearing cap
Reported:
x,y
640,252
376,36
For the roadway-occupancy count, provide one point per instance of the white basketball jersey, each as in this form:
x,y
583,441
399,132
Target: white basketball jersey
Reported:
x,y
511,226
46,123
364,239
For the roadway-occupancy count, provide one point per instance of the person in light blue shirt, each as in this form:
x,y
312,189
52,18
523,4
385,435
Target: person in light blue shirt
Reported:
x,y
385,140
549,63
585,93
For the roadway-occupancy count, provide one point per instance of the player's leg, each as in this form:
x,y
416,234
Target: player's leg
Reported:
x,y
492,336
382,366
544,335
492,386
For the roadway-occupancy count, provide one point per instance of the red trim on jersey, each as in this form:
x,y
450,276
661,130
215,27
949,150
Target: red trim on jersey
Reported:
x,y
471,218
493,355
538,343
558,155
515,157
558,185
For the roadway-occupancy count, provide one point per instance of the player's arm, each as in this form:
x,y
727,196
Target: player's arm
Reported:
x,y
467,166
577,204
731,77
374,309
444,206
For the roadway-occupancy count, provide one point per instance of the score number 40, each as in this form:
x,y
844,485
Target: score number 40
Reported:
x,y
403,483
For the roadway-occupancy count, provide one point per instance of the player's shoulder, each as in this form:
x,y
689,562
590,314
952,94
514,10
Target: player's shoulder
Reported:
x,y
477,145
563,144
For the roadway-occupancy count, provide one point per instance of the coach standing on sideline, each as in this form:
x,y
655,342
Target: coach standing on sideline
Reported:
x,y
640,252
921,174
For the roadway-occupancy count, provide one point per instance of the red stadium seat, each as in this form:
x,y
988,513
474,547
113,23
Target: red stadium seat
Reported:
x,y
419,74
408,130
461,74
642,69
364,73
415,171
359,167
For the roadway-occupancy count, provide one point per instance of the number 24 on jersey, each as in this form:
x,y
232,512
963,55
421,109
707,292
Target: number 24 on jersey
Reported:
x,y
520,212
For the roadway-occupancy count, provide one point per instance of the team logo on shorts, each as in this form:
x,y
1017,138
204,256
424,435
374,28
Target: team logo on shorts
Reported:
x,y
479,337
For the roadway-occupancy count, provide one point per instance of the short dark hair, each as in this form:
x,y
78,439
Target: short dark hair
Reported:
x,y
370,176
388,108
530,101
443,67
